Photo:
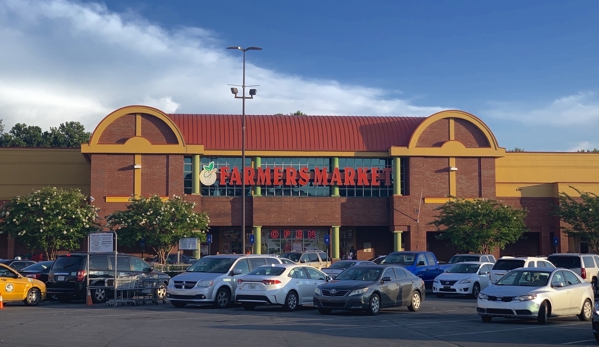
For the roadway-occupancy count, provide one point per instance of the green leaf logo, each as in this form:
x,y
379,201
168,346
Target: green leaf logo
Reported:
x,y
209,167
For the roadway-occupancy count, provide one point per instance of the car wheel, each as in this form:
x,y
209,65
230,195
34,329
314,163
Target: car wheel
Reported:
x,y
223,298
324,310
178,304
291,301
374,305
542,317
34,297
415,302
475,290
248,306
586,313
98,296
440,295
486,319
160,293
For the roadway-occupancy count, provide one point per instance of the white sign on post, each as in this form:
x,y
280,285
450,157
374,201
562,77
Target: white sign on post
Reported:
x,y
101,242
188,244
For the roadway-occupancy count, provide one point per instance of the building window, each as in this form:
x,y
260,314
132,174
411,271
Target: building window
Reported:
x,y
298,190
382,190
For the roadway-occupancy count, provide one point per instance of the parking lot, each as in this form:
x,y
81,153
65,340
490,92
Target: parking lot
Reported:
x,y
440,322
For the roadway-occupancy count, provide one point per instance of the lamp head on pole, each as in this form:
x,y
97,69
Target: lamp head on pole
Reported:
x,y
252,92
234,91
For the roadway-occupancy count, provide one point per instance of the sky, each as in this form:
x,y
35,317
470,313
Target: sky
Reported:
x,y
528,69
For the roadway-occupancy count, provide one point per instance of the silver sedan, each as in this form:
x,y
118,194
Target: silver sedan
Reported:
x,y
537,293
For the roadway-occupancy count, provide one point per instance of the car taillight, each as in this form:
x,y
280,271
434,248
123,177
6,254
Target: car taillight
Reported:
x,y
583,273
36,276
80,275
269,282
240,281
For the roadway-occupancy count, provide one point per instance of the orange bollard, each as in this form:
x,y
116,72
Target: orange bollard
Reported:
x,y
1,302
88,298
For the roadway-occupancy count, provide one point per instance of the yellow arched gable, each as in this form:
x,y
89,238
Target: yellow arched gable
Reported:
x,y
138,144
451,148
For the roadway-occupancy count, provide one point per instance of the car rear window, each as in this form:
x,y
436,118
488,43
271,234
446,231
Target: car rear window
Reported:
x,y
588,262
67,262
565,262
505,264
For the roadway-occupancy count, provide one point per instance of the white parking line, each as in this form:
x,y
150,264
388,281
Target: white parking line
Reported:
x,y
573,342
504,330
437,322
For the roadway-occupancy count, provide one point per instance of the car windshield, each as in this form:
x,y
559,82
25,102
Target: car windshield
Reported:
x,y
402,258
268,271
505,264
67,262
566,262
359,273
464,268
212,265
342,265
293,256
525,278
463,258
38,266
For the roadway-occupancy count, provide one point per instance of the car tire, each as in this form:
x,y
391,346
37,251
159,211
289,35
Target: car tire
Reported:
x,y
415,302
475,290
178,304
440,295
160,292
34,297
248,306
543,314
222,298
586,313
291,301
99,296
374,305
487,319
324,310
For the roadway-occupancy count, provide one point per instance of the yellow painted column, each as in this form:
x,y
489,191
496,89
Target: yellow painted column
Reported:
x,y
397,176
137,176
397,240
257,163
452,177
195,174
335,188
257,239
335,243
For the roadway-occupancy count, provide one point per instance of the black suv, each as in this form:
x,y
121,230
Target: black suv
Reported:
x,y
67,279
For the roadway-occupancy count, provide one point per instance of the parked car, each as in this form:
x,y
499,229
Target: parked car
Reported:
x,y
507,264
465,278
289,285
17,264
370,288
38,271
213,279
596,321
340,266
421,264
317,259
180,259
16,287
537,293
585,265
378,259
484,258
67,279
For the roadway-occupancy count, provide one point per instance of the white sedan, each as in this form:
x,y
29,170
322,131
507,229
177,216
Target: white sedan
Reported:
x,y
467,278
289,285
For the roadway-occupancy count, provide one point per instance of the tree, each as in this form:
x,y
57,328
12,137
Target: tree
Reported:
x,y
479,225
49,219
23,135
69,134
159,223
516,149
581,215
594,150
296,113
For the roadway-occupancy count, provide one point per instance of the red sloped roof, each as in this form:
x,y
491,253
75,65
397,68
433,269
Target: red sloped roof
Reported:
x,y
297,133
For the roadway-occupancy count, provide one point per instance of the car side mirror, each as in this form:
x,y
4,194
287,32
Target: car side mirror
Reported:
x,y
328,278
236,272
558,285
385,279
147,269
420,263
484,272
302,260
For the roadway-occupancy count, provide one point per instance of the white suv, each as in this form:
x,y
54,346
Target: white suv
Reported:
x,y
507,264
213,279
585,265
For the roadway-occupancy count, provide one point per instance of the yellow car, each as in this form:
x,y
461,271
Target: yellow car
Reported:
x,y
15,287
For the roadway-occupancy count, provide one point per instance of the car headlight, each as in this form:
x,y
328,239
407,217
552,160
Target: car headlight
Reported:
x,y
204,283
483,296
526,297
465,280
436,280
358,291
317,291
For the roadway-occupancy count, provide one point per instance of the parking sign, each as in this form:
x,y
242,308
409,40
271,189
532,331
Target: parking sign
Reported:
x,y
209,238
327,240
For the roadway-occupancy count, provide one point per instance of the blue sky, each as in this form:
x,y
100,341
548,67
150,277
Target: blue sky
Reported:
x,y
528,69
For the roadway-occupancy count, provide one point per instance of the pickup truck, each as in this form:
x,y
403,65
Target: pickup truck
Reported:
x,y
421,264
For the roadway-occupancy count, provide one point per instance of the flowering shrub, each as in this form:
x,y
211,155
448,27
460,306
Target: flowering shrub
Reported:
x,y
49,219
159,223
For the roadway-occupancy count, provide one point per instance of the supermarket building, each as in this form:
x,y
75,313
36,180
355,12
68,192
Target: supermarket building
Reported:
x,y
368,182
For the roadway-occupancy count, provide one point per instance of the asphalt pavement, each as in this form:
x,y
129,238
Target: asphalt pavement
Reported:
x,y
440,322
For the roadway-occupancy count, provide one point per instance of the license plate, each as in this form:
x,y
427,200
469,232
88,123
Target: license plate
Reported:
x,y
251,286
60,278
446,287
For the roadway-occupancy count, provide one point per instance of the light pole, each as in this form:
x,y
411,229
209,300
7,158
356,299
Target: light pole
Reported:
x,y
243,97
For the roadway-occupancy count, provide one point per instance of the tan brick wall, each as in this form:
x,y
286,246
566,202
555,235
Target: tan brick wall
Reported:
x,y
156,131
119,131
435,134
468,182
469,134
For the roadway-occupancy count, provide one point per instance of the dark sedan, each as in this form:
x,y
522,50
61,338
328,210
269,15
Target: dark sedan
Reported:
x,y
38,271
370,288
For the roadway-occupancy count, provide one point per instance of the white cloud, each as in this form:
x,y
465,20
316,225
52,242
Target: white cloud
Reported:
x,y
70,61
